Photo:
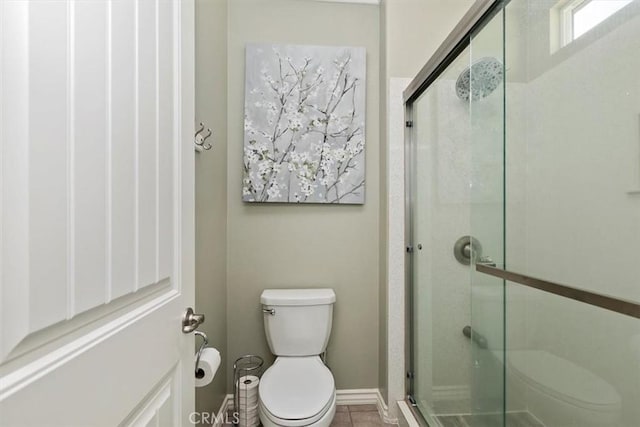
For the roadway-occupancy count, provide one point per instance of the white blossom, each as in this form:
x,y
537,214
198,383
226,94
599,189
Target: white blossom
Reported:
x,y
274,191
264,168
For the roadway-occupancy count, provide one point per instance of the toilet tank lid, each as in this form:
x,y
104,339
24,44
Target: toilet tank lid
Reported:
x,y
298,296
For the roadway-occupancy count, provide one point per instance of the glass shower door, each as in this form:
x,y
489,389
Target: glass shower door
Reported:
x,y
554,205
573,210
457,219
440,215
487,142
524,159
457,204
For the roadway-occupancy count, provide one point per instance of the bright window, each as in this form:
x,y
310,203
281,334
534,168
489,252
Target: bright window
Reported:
x,y
580,16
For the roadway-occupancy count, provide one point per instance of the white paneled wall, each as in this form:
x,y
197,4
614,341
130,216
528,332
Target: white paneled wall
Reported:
x,y
88,146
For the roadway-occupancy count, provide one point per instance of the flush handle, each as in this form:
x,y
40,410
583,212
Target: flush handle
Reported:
x,y
271,311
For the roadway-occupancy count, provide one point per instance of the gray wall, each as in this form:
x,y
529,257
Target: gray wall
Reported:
x,y
242,249
211,188
288,246
415,29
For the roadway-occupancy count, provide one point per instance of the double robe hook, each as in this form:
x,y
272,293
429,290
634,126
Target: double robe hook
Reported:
x,y
199,138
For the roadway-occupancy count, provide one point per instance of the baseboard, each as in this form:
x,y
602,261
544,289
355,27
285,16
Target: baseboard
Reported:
x,y
364,396
228,401
227,404
357,396
383,410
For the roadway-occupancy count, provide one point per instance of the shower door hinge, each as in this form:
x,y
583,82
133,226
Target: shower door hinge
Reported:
x,y
408,124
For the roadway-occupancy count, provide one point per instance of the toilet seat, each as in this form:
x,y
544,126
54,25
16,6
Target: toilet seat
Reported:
x,y
562,379
323,418
296,391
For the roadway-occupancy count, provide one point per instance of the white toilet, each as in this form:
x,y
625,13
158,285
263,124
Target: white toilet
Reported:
x,y
561,393
298,389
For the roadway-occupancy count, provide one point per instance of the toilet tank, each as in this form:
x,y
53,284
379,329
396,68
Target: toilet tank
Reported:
x,y
297,322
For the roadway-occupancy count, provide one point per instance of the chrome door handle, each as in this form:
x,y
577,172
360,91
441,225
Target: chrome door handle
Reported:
x,y
191,321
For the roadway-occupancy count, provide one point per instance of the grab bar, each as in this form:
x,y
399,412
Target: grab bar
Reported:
x,y
617,305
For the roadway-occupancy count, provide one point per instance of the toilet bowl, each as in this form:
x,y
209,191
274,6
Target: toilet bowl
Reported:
x,y
298,390
559,392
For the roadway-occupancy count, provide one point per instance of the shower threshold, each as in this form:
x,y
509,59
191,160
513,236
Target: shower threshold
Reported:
x,y
513,419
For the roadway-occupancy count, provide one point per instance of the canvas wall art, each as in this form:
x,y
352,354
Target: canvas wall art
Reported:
x,y
304,125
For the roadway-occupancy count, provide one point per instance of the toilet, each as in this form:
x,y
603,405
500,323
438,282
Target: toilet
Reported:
x,y
298,389
559,392
555,390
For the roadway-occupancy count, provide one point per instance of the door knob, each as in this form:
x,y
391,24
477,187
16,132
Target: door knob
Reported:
x,y
191,321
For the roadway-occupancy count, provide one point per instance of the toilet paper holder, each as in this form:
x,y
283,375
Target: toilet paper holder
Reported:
x,y
244,366
205,341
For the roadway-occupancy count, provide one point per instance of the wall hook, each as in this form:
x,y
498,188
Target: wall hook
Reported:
x,y
199,130
200,137
206,146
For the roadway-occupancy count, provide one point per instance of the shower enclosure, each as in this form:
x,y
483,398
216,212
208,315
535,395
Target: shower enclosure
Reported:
x,y
523,218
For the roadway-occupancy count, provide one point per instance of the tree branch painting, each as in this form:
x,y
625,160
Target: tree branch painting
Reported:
x,y
304,125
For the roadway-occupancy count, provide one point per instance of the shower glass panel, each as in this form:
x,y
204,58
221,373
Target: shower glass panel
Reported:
x,y
573,211
486,108
527,145
441,168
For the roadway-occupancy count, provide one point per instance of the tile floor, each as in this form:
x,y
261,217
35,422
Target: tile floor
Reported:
x,y
358,416
368,416
348,416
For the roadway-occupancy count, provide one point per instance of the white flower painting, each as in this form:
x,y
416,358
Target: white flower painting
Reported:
x,y
304,125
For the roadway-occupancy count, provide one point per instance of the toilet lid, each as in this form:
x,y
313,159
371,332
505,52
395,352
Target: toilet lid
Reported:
x,y
563,379
296,388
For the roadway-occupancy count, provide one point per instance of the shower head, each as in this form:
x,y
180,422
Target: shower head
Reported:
x,y
480,79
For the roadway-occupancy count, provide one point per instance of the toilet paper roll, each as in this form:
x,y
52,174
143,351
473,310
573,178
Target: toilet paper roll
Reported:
x,y
248,417
247,404
249,422
250,400
248,385
247,410
209,363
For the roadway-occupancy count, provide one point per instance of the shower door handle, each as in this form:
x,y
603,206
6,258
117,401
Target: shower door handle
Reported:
x,y
486,260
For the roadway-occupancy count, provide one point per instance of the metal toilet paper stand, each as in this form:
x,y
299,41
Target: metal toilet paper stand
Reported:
x,y
243,366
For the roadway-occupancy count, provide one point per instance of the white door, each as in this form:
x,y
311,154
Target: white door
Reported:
x,y
96,212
